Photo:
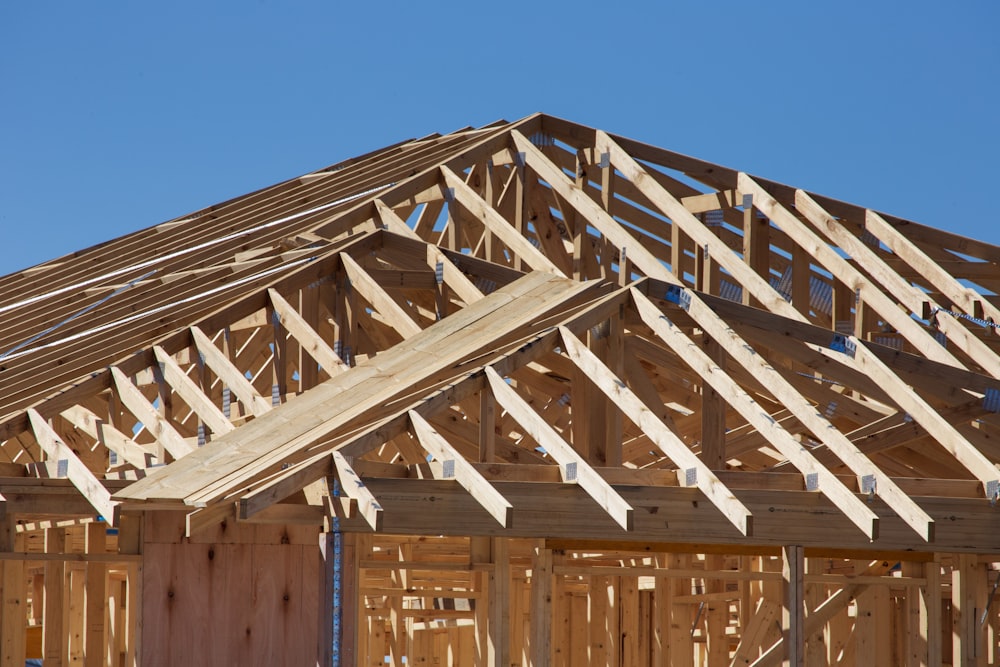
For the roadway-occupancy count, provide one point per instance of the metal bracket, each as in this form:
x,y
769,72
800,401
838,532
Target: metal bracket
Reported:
x,y
605,161
812,481
993,491
448,469
842,343
690,476
439,272
62,468
571,471
868,485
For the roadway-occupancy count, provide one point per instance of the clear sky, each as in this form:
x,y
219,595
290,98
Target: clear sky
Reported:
x,y
116,116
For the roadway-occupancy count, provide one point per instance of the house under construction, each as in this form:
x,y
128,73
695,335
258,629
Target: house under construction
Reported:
x,y
526,394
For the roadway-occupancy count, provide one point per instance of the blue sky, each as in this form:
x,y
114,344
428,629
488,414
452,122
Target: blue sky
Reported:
x,y
116,116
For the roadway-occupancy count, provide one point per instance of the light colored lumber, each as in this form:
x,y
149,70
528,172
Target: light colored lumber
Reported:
x,y
668,442
498,226
380,300
230,375
573,466
84,480
353,486
151,419
308,339
466,475
766,425
106,434
192,394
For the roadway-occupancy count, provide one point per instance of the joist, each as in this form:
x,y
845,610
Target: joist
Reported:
x,y
497,225
355,488
192,394
817,475
103,432
901,289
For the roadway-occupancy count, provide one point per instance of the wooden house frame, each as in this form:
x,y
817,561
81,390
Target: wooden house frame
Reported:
x,y
523,394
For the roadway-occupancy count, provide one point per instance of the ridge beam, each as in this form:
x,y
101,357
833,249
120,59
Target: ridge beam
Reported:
x,y
185,387
230,375
354,487
463,472
380,300
470,200
312,342
573,467
775,434
106,434
150,417
84,480
665,439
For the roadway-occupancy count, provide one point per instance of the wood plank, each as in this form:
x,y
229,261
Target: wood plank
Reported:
x,y
191,393
230,375
311,342
766,425
668,442
353,486
109,436
573,466
466,475
157,425
498,226
792,612
380,300
84,480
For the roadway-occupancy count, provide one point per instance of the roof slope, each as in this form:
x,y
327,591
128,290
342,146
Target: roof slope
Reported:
x,y
535,328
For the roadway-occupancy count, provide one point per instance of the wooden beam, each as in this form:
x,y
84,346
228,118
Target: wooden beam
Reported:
x,y
84,480
110,437
192,394
453,276
900,289
311,342
574,467
821,615
772,430
380,300
498,226
230,375
665,439
541,606
151,419
792,614
805,412
462,471
929,269
353,487
499,603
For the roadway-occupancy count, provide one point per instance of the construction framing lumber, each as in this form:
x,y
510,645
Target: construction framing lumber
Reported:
x,y
524,394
